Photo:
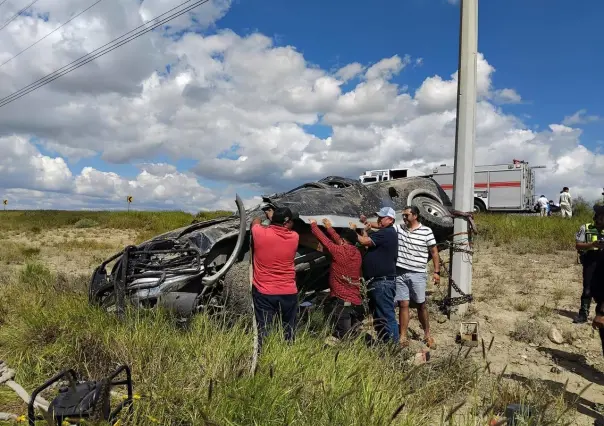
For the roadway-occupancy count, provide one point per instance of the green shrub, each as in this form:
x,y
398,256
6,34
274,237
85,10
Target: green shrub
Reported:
x,y
581,207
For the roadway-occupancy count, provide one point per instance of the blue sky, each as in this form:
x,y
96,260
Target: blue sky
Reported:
x,y
548,51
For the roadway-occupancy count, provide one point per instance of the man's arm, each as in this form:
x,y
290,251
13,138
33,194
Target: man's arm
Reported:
x,y
327,243
364,221
332,232
436,262
586,246
256,221
580,243
431,243
364,239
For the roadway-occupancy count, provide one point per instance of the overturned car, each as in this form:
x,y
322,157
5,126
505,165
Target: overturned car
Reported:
x,y
204,267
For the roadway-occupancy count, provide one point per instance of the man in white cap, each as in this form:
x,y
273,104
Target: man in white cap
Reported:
x,y
379,270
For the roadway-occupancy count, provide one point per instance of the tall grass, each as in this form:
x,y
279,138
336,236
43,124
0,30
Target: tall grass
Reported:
x,y
199,374
500,229
530,234
158,222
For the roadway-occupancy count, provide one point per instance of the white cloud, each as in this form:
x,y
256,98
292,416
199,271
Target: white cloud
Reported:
x,y
507,96
386,68
22,165
349,71
436,94
199,18
158,169
580,117
169,188
238,109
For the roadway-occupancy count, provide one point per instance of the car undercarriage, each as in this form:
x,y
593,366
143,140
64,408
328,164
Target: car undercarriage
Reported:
x,y
204,267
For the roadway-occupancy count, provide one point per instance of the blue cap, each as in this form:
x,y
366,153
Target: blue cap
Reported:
x,y
386,212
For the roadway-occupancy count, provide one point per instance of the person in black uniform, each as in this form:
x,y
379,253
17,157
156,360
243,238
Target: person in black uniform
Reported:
x,y
589,244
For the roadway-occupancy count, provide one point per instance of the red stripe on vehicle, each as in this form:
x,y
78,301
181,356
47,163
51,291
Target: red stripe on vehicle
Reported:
x,y
491,185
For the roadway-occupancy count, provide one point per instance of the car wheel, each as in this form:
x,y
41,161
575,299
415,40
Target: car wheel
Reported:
x,y
104,298
479,206
237,293
434,215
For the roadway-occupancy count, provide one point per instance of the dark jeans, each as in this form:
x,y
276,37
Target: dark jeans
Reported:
x,y
593,267
593,285
267,307
381,291
589,267
345,319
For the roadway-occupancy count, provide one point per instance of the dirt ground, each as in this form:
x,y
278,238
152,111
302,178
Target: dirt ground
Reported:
x,y
530,294
513,292
73,251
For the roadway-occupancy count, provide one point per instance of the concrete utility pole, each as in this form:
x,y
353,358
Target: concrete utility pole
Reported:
x,y
463,173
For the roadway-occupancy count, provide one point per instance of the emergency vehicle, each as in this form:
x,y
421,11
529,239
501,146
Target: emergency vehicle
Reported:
x,y
381,175
497,187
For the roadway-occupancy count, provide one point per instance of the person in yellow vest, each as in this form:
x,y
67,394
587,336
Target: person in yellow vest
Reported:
x,y
589,242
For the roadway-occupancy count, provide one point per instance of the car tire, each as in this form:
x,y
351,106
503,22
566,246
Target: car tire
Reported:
x,y
434,215
236,290
479,206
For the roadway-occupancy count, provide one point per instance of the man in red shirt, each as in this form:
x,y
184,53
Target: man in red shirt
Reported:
x,y
344,305
274,290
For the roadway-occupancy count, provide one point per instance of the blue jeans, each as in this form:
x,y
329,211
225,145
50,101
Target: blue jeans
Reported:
x,y
381,293
267,308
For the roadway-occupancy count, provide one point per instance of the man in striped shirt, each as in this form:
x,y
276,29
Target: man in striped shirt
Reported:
x,y
414,242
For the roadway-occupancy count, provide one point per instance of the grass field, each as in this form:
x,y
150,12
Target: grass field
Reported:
x,y
200,374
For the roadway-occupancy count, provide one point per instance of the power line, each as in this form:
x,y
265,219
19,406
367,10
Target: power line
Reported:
x,y
92,55
4,1
17,14
59,27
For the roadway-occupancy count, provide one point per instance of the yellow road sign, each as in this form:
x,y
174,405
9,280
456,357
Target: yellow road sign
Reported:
x,y
5,202
129,198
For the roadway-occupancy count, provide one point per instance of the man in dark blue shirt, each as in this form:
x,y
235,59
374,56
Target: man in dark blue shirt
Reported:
x,y
379,270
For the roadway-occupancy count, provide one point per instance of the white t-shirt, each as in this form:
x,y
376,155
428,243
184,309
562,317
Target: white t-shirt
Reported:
x,y
565,198
543,202
413,247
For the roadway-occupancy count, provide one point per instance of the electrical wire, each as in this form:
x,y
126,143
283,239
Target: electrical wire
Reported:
x,y
74,64
17,14
59,27
100,51
4,1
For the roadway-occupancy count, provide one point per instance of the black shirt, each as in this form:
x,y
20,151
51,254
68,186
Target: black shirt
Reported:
x,y
380,259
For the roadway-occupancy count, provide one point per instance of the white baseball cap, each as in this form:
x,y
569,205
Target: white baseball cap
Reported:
x,y
387,212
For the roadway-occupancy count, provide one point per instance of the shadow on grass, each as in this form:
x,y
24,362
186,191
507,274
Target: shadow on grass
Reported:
x,y
582,405
576,363
565,313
